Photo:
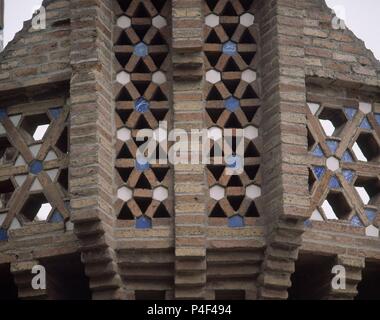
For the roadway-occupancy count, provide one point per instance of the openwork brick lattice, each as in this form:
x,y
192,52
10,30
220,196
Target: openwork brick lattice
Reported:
x,y
33,164
233,102
143,95
344,147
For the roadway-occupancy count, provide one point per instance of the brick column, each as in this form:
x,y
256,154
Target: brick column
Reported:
x,y
22,273
285,177
353,268
91,133
190,189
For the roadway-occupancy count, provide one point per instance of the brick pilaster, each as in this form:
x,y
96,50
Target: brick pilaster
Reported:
x,y
190,207
91,133
285,178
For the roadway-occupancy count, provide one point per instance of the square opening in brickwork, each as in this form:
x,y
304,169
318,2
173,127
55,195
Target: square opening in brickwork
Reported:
x,y
7,152
312,277
150,294
66,278
336,206
36,125
368,189
6,191
366,148
369,287
332,121
8,288
36,208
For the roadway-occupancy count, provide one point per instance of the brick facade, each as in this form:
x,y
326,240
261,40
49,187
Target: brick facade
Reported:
x,y
120,228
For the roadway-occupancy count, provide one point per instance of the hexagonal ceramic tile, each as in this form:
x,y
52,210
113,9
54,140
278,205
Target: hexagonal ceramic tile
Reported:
x,y
217,192
365,107
159,22
123,22
251,132
123,78
124,194
159,78
333,164
213,76
247,19
253,191
249,76
212,20
215,133
124,134
160,194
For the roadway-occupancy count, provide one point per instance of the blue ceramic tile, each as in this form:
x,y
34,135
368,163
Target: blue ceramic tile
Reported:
x,y
308,223
348,175
319,172
365,124
55,112
371,214
230,48
56,217
3,234
236,221
377,117
142,164
36,167
347,157
356,222
3,113
350,112
318,152
141,105
334,183
143,222
232,104
333,145
141,49
234,162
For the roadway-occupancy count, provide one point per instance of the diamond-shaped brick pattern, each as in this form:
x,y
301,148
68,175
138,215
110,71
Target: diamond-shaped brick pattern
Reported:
x,y
142,94
344,144
34,149
233,102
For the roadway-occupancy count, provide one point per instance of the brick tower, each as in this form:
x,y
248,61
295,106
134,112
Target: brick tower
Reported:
x,y
105,223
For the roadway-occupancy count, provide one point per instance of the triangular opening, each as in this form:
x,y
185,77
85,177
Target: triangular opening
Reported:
x,y
143,183
124,95
233,122
141,86
124,114
214,114
124,173
216,171
162,212
231,85
159,4
143,203
251,171
160,173
231,66
123,40
124,4
213,57
247,57
141,30
247,38
250,112
158,58
141,67
159,95
246,4
158,39
252,211
214,94
125,213
235,201
234,182
159,114
251,151
212,4
123,58
250,93
142,123
124,153
213,37
229,10
62,143
217,212
141,12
